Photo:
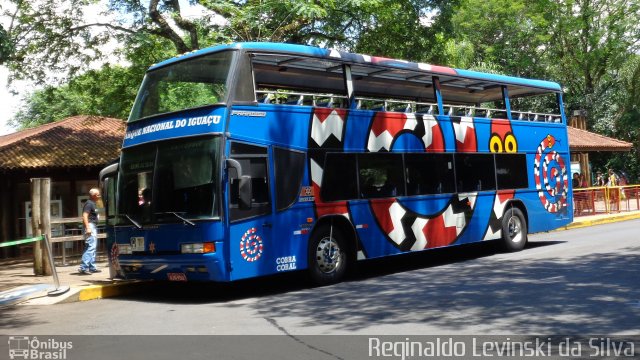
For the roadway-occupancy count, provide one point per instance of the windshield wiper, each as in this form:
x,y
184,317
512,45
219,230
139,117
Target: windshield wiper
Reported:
x,y
131,220
178,216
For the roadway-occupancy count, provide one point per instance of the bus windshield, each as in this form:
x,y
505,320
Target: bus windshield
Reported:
x,y
169,181
183,85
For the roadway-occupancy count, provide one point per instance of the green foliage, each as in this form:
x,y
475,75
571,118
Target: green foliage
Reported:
x,y
591,41
589,46
109,91
623,120
6,47
46,40
509,34
415,30
460,53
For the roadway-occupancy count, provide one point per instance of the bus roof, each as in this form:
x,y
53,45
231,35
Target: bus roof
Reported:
x,y
364,60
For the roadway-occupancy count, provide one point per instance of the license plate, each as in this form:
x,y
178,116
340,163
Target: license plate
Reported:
x,y
137,243
177,276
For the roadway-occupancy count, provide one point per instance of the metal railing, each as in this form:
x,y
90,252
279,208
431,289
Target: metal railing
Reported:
x,y
606,200
69,246
331,100
67,242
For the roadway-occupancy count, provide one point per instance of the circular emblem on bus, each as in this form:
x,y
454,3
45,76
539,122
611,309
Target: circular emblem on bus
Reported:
x,y
551,177
251,245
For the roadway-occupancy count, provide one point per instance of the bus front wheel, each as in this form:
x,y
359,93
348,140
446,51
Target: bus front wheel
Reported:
x,y
327,255
514,230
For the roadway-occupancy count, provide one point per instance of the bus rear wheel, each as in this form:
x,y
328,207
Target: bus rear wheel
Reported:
x,y
514,230
327,255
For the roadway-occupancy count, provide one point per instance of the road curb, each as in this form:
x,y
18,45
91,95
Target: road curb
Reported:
x,y
604,220
94,292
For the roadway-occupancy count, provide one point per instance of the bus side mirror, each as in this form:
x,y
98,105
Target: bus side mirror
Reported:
x,y
245,190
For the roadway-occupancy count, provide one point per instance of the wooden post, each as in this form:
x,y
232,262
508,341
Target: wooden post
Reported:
x,y
45,220
35,226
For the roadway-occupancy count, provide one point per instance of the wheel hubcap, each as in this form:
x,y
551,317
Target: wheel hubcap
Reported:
x,y
515,229
328,255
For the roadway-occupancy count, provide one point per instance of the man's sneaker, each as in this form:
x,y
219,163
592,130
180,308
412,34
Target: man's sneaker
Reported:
x,y
95,270
83,272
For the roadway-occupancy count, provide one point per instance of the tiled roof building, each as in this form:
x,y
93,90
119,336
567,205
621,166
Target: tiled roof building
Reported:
x,y
70,152
583,141
77,141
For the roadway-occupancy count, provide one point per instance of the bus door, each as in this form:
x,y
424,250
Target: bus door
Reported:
x,y
108,179
250,212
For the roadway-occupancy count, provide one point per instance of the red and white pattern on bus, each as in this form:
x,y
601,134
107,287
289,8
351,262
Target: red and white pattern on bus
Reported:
x,y
501,140
494,230
411,231
115,263
403,227
327,131
386,127
553,198
251,245
465,132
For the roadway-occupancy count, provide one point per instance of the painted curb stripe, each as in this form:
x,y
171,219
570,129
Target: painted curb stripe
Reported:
x,y
94,292
605,220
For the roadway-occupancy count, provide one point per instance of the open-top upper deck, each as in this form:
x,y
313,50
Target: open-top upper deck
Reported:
x,y
363,65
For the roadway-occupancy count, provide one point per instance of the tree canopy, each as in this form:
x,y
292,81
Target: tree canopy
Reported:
x,y
72,47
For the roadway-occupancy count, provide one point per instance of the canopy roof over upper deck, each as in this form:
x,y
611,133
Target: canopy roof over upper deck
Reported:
x,y
463,86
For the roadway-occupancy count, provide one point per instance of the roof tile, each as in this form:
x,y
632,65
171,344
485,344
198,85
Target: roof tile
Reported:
x,y
583,140
76,141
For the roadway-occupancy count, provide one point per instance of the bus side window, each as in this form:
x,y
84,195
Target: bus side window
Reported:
x,y
429,174
339,179
288,176
475,172
380,175
511,171
254,163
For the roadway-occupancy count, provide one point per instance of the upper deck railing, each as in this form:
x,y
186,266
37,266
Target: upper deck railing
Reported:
x,y
396,105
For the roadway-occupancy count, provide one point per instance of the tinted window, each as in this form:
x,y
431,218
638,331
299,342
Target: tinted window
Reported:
x,y
381,175
289,171
254,164
186,174
136,183
511,171
176,176
475,172
339,180
429,174
183,85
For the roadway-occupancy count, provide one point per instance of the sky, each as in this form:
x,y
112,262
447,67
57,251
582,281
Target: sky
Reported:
x,y
9,103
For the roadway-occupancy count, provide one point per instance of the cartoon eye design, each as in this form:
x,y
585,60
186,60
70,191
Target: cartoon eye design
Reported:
x,y
495,144
510,144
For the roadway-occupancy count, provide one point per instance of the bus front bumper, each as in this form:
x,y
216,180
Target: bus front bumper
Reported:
x,y
193,267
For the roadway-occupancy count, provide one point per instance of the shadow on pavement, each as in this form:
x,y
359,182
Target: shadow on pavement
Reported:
x,y
588,294
459,290
202,293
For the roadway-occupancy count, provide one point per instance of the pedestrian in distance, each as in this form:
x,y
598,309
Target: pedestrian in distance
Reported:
x,y
614,191
600,179
90,222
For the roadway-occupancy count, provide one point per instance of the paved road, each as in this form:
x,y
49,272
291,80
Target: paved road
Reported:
x,y
582,281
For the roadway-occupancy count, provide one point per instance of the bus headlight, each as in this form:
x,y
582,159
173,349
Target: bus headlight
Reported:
x,y
198,248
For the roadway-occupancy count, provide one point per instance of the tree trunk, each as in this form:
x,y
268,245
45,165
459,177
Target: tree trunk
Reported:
x,y
35,226
45,219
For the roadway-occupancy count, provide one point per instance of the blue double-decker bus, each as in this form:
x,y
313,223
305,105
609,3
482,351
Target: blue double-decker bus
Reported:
x,y
250,159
